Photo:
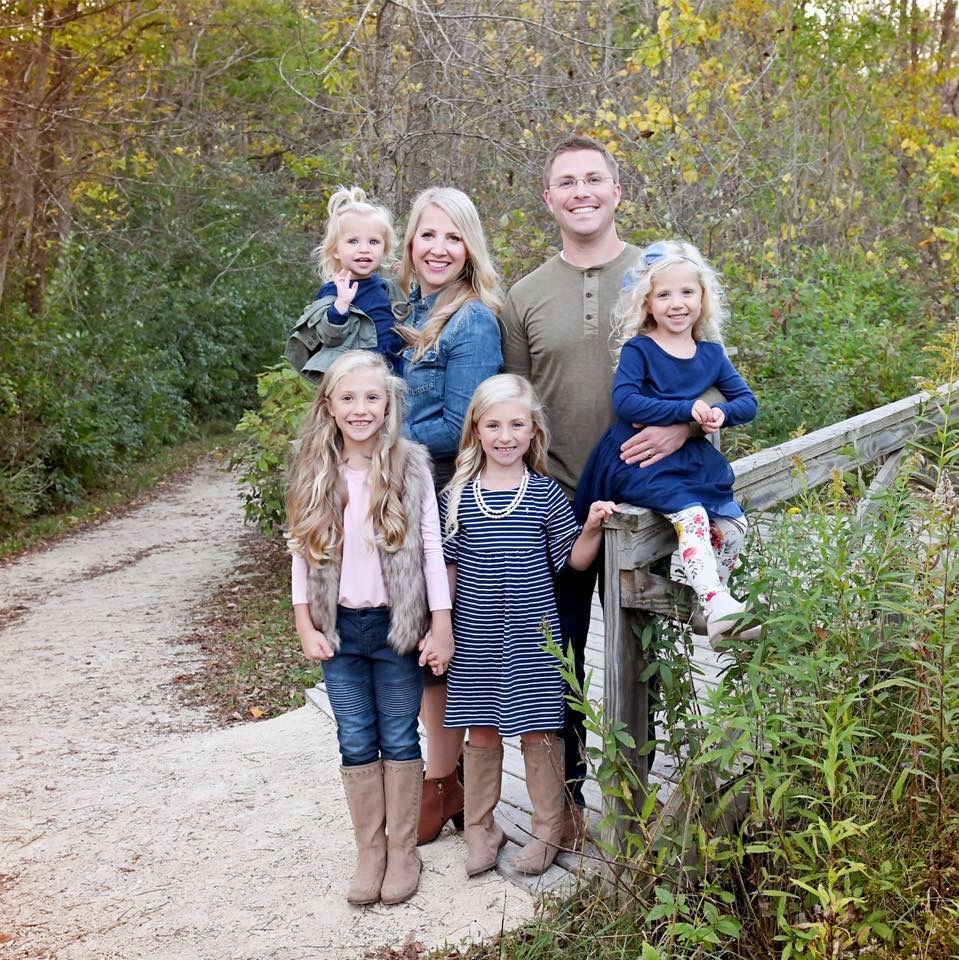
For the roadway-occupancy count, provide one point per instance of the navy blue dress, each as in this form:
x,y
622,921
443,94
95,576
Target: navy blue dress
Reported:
x,y
654,388
500,676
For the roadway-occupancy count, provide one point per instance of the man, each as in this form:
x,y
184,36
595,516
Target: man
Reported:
x,y
556,334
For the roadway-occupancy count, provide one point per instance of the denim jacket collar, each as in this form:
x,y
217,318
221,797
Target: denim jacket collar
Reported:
x,y
421,306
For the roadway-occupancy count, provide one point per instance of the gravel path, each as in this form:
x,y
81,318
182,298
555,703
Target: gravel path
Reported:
x,y
133,827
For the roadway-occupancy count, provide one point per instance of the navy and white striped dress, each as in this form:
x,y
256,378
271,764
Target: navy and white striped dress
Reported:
x,y
499,675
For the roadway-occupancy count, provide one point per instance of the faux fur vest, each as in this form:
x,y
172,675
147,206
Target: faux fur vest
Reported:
x,y
402,571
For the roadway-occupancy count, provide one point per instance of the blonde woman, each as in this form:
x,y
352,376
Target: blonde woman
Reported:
x,y
508,527
371,601
453,343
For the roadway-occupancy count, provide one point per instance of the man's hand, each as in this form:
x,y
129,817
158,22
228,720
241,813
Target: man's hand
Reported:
x,y
651,444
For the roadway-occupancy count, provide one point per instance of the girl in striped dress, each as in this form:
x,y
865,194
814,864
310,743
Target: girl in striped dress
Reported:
x,y
508,528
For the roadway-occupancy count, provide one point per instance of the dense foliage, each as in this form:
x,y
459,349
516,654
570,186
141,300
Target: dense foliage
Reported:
x,y
164,171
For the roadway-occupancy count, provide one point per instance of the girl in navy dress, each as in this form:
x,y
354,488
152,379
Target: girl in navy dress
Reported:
x,y
667,337
508,528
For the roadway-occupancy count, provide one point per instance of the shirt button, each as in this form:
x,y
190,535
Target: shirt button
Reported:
x,y
589,316
589,293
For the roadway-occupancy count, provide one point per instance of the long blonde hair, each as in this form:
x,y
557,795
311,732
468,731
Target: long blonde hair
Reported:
x,y
348,200
478,281
632,315
471,459
316,491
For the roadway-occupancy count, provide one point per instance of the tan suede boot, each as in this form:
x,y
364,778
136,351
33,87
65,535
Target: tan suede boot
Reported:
x,y
546,787
483,780
403,786
364,797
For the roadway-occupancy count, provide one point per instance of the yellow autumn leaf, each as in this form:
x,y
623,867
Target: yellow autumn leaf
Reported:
x,y
690,175
257,712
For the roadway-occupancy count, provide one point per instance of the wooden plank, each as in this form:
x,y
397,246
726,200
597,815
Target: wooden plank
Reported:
x,y
625,697
771,476
882,481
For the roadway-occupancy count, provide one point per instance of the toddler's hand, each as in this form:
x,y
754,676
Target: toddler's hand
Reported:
x,y
345,290
701,413
714,421
315,645
598,512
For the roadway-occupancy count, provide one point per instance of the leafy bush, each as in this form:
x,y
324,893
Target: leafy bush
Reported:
x,y
167,304
264,450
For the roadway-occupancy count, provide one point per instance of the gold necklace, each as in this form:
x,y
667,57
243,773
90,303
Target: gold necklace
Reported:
x,y
489,511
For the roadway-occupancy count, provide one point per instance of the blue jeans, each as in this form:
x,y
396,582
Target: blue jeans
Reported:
x,y
374,692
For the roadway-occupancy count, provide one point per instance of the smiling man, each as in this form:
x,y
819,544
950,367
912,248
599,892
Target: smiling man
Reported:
x,y
556,334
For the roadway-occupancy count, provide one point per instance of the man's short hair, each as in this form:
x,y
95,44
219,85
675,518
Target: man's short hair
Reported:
x,y
576,142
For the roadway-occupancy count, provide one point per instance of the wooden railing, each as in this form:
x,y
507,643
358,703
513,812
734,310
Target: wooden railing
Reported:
x,y
636,538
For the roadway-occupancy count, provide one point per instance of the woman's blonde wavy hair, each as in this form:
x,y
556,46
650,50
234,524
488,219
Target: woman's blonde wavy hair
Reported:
x,y
349,200
478,281
471,459
316,490
632,315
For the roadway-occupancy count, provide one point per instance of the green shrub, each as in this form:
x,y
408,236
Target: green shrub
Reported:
x,y
264,450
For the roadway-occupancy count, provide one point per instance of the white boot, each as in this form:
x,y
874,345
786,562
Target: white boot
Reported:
x,y
724,615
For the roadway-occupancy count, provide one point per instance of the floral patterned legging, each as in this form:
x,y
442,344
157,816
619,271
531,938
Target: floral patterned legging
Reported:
x,y
708,548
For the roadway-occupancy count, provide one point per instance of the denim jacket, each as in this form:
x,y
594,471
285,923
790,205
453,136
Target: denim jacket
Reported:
x,y
441,384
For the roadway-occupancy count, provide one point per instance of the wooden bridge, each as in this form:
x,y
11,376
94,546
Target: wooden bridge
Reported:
x,y
635,540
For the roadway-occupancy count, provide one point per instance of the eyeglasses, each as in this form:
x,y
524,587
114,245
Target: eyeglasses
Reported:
x,y
593,181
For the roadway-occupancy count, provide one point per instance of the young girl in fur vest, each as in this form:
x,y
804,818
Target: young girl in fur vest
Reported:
x,y
508,528
371,600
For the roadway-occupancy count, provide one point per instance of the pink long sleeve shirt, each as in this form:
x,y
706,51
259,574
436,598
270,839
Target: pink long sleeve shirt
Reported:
x,y
361,574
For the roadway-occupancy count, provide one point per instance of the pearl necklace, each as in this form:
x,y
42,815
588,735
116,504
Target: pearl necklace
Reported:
x,y
487,510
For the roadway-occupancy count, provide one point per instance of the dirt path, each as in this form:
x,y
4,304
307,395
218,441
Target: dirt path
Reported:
x,y
130,825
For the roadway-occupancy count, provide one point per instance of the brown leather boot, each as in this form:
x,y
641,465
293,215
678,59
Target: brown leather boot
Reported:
x,y
402,786
575,827
442,801
547,790
483,776
364,797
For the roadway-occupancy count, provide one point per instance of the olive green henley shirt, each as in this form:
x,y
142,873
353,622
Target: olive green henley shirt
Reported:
x,y
556,333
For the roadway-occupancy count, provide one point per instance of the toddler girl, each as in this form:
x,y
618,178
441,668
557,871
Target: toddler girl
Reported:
x,y
354,308
369,588
667,340
508,528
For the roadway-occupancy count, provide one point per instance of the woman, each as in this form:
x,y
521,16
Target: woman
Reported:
x,y
453,344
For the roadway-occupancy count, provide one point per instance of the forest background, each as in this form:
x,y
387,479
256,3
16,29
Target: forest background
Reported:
x,y
165,166
164,171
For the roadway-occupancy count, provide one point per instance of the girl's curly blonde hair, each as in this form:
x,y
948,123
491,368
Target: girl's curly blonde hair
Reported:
x,y
632,315
316,490
470,460
349,200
